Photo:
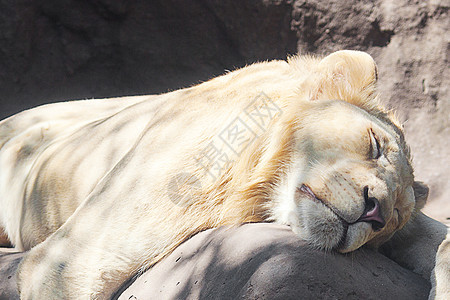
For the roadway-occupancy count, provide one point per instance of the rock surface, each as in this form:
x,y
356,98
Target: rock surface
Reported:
x,y
8,266
260,261
267,261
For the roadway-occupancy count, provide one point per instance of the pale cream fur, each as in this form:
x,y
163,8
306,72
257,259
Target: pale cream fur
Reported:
x,y
84,184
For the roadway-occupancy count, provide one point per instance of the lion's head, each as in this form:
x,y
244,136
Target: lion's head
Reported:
x,y
350,181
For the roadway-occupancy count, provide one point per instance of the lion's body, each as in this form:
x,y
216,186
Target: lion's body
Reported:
x,y
102,184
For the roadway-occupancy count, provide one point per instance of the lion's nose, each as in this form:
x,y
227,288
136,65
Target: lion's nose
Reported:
x,y
372,212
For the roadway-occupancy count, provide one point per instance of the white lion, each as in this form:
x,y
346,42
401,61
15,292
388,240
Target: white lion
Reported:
x,y
101,189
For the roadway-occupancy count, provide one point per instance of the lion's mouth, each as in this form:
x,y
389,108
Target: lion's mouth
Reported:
x,y
352,234
372,211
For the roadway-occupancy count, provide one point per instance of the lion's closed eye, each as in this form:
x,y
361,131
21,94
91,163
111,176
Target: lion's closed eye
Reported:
x,y
375,146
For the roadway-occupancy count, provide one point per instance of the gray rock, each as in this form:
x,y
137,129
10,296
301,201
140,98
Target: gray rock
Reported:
x,y
8,266
260,261
268,261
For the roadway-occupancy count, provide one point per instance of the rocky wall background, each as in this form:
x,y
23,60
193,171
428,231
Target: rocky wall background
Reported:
x,y
66,49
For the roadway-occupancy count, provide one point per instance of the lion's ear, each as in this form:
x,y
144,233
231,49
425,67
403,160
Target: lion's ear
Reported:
x,y
347,75
420,193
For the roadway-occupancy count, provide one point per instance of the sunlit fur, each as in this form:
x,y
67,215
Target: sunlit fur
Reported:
x,y
86,181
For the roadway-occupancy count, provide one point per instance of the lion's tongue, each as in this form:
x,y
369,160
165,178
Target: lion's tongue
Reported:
x,y
372,215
